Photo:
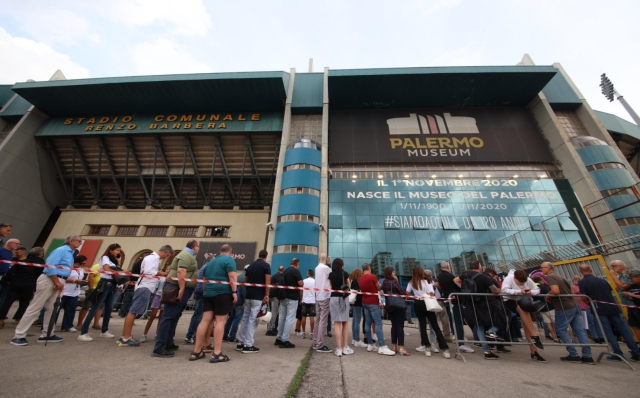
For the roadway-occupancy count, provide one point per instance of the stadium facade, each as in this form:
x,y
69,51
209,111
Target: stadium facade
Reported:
x,y
399,167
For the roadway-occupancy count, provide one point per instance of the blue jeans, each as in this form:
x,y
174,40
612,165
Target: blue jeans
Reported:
x,y
195,318
231,327
170,317
594,329
355,322
573,318
106,298
622,328
453,308
126,303
250,321
372,314
287,310
68,304
479,335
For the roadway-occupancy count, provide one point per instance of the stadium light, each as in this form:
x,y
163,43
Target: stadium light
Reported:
x,y
609,91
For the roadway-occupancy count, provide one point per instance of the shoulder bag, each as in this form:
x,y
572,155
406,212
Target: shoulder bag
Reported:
x,y
353,296
396,303
432,303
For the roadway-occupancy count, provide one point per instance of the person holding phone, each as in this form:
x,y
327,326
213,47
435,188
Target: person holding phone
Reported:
x,y
517,284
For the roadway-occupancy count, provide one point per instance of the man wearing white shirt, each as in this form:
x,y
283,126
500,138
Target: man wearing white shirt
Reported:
x,y
322,303
517,284
143,291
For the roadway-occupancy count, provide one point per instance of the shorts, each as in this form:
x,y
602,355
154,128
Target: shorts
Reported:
x,y
156,302
299,312
549,316
339,309
139,301
308,310
220,304
634,317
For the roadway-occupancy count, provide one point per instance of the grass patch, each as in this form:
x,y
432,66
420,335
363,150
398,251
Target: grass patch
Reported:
x,y
297,378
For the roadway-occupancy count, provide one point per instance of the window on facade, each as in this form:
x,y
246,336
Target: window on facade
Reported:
x,y
602,166
300,190
99,230
156,231
302,167
127,231
186,231
217,231
299,217
623,222
295,249
570,123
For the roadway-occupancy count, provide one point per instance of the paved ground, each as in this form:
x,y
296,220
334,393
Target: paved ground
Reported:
x,y
100,368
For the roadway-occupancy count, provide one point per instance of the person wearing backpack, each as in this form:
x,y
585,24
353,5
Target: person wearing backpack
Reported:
x,y
477,310
274,301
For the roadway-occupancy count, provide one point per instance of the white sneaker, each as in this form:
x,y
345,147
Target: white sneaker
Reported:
x,y
143,338
370,347
406,333
384,350
310,336
446,354
359,344
421,349
434,349
347,350
374,338
84,337
71,330
303,335
338,352
107,335
466,348
427,353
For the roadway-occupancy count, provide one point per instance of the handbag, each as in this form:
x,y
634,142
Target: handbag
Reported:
x,y
396,303
432,304
353,296
170,293
344,287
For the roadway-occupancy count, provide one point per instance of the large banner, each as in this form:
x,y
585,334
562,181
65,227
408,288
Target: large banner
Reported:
x,y
242,252
436,135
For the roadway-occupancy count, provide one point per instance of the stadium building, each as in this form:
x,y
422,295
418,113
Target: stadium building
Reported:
x,y
398,167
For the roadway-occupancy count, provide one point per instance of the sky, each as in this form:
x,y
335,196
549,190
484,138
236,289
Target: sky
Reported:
x,y
147,37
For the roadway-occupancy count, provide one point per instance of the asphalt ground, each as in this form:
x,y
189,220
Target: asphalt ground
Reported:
x,y
102,369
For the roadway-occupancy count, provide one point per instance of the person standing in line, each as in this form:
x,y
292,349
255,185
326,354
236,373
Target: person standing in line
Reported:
x,y
71,291
339,307
6,253
49,283
600,291
144,289
184,265
218,300
633,293
289,305
5,230
23,284
196,317
258,272
390,285
618,271
454,309
274,301
371,307
567,314
308,304
442,316
547,312
110,258
420,287
356,308
592,328
235,318
156,305
322,304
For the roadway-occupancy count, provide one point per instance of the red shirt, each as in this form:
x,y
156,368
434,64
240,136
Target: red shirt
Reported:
x,y
368,284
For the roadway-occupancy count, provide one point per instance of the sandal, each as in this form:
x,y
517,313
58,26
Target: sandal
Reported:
x,y
208,349
215,358
404,352
194,356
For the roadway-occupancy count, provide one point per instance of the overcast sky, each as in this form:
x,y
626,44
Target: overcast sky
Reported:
x,y
142,37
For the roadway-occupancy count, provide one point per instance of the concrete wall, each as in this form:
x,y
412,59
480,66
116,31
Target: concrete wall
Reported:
x,y
28,184
246,226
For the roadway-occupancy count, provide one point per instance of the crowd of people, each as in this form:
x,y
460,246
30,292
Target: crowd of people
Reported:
x,y
494,308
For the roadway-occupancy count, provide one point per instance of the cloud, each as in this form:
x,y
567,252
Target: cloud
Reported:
x,y
165,56
185,17
27,59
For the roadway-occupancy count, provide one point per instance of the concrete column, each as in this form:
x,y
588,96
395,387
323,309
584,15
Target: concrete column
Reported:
x,y
171,231
324,179
284,141
142,230
113,230
201,231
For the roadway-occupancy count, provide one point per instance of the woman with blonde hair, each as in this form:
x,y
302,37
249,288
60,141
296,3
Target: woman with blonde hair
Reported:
x,y
356,308
418,286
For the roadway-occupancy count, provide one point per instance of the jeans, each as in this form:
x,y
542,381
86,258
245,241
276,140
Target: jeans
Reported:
x,y
231,327
250,321
275,304
372,314
196,318
68,304
170,317
126,303
573,318
621,327
594,329
355,322
479,329
455,317
106,298
287,310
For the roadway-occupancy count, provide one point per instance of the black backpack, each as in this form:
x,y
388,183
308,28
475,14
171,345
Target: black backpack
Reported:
x,y
469,286
136,268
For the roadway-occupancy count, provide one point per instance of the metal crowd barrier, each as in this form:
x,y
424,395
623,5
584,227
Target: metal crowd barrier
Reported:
x,y
495,304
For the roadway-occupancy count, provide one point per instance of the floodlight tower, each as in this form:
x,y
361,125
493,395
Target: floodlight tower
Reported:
x,y
609,92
